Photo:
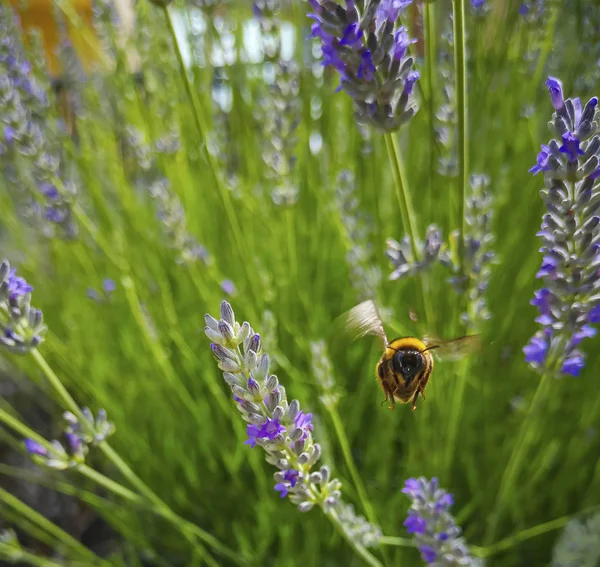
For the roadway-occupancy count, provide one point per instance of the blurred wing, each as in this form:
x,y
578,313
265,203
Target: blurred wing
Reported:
x,y
364,320
454,349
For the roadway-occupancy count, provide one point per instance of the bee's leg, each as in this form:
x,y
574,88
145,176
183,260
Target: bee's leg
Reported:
x,y
414,400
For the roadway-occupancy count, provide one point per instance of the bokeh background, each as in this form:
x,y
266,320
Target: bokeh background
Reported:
x,y
215,160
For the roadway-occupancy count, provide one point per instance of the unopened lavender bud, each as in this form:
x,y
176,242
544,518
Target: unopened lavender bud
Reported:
x,y
220,352
263,367
254,343
233,379
70,418
272,383
303,458
238,391
214,336
279,439
274,399
293,410
251,360
305,506
255,418
296,434
226,330
335,495
253,387
315,478
227,313
244,332
556,93
315,453
211,322
4,270
325,474
228,365
278,413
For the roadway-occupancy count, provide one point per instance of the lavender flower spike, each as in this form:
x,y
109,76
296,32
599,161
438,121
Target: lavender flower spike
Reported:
x,y
279,426
369,50
55,456
21,325
569,301
433,527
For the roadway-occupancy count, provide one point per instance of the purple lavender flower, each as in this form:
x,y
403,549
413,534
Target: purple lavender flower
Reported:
x,y
368,49
279,427
17,286
28,132
108,285
54,457
569,300
21,325
542,161
171,214
401,255
228,287
290,478
34,448
532,11
570,146
556,93
390,9
433,527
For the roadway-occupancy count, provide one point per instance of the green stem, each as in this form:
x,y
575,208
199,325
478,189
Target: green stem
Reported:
x,y
407,213
163,509
460,62
155,348
21,428
523,441
51,528
456,411
360,550
356,478
430,52
513,540
397,541
66,398
11,554
125,470
202,130
190,531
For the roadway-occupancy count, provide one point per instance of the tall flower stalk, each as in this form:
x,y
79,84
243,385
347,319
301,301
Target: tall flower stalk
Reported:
x,y
436,534
282,429
279,108
569,301
29,140
369,49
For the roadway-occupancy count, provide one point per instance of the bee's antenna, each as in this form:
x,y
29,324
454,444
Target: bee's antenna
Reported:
x,y
431,347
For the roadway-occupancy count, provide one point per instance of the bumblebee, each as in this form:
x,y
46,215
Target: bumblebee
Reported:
x,y
407,362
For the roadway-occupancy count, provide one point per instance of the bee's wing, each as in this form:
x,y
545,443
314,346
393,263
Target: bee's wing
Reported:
x,y
364,320
453,349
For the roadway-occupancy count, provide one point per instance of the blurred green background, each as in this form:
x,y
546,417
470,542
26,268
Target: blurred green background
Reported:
x,y
140,351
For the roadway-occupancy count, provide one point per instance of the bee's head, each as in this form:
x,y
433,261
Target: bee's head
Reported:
x,y
408,363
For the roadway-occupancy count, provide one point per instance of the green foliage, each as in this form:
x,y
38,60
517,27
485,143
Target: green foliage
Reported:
x,y
140,351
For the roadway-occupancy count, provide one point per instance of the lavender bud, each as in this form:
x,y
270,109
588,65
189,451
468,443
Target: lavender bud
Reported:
x,y
293,410
227,313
